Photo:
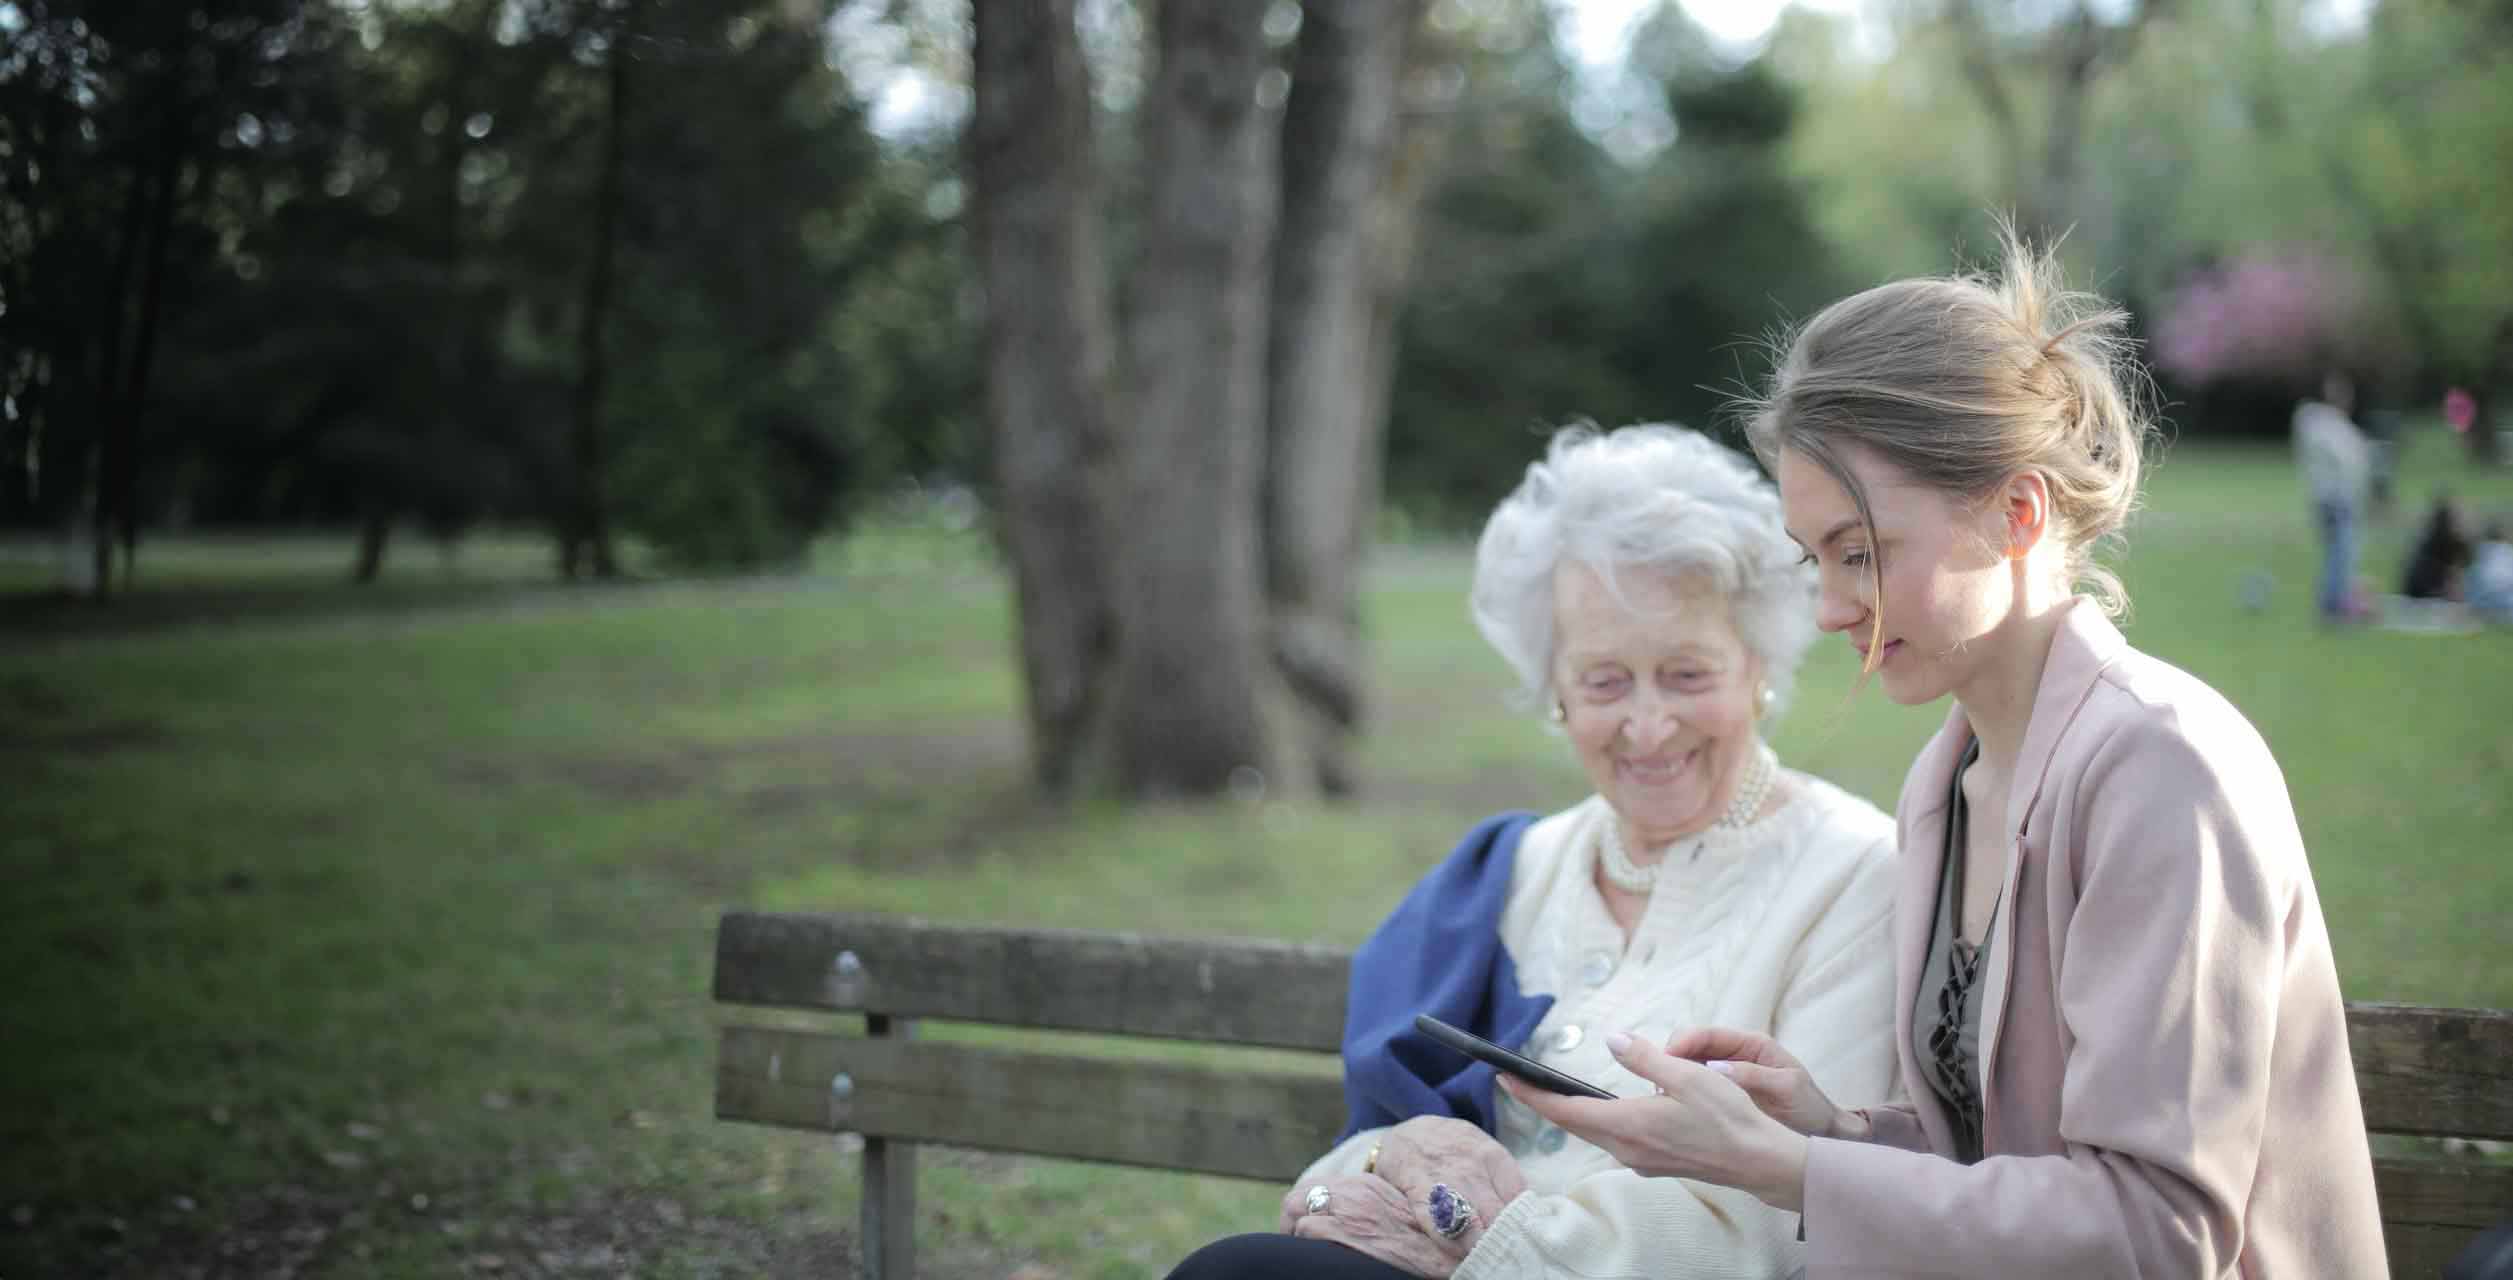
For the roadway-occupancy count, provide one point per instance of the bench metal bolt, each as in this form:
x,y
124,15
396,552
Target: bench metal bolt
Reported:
x,y
846,979
841,1095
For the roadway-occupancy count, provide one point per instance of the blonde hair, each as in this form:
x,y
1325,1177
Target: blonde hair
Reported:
x,y
1965,382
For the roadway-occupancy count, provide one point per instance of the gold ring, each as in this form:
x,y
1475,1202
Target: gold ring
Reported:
x,y
1370,1163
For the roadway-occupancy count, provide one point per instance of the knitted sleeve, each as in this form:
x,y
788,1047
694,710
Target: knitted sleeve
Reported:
x,y
1620,1224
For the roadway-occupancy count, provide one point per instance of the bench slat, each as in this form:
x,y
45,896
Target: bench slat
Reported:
x,y
1232,991
2469,1195
2434,1071
2430,1209
1263,1125
1250,1124
2419,1070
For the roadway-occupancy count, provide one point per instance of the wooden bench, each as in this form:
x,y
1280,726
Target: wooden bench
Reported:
x,y
2422,1071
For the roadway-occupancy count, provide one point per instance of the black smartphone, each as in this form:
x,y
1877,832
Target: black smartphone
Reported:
x,y
1527,1069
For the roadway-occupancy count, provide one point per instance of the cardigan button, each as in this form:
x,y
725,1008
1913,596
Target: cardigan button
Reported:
x,y
1568,1038
1598,967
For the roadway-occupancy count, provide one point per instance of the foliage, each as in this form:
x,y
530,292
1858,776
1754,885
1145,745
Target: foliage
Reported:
x,y
379,221
1561,284
752,202
2438,210
2233,133
1900,162
264,241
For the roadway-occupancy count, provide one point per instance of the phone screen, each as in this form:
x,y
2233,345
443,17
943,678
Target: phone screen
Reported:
x,y
1525,1068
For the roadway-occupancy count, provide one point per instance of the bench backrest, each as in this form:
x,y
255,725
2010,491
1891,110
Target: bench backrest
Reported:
x,y
2421,1071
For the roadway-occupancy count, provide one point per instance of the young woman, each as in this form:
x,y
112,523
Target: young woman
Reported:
x,y
2115,1010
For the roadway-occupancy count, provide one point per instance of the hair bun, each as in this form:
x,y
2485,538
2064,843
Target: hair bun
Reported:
x,y
1964,381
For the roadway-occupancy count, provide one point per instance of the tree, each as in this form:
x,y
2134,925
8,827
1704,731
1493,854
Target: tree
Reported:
x,y
584,529
121,126
53,200
2035,80
1348,204
1514,333
2422,173
2261,141
1578,285
1190,688
1234,447
603,265
1050,364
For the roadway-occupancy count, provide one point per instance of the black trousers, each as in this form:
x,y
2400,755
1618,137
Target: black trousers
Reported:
x,y
1272,1256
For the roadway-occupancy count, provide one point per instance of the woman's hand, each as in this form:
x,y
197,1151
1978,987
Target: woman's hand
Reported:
x,y
1703,1127
1366,1212
1773,1077
1438,1149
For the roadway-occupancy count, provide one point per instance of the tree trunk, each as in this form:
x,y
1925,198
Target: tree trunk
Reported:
x,y
1422,142
1984,70
118,511
2043,174
588,532
1049,365
133,403
105,467
374,535
1326,408
388,488
2052,204
1192,694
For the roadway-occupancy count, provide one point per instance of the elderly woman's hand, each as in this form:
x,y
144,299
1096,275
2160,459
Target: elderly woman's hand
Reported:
x,y
1703,1127
1366,1213
1429,1151
1773,1077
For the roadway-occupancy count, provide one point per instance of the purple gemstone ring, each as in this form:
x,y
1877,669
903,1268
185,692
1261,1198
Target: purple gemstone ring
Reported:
x,y
1451,1215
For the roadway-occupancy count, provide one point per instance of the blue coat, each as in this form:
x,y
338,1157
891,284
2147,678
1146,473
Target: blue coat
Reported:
x,y
1439,953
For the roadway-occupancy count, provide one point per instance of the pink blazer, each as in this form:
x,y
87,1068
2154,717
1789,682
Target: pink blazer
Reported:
x,y
2166,1085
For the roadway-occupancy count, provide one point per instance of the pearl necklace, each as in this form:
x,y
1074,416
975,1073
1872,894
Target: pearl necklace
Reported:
x,y
1631,877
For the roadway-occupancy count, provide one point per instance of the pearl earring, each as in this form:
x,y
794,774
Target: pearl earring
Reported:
x,y
1559,714
1764,697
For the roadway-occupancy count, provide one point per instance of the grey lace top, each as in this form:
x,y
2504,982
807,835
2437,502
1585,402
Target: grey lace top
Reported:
x,y
1946,1024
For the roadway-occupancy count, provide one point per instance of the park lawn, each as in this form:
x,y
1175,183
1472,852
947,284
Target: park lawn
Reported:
x,y
375,942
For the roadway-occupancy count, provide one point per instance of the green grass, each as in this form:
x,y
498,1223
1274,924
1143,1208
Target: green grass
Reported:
x,y
379,936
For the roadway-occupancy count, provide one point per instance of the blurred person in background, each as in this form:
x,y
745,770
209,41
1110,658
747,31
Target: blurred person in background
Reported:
x,y
2440,559
2337,466
1642,588
2491,575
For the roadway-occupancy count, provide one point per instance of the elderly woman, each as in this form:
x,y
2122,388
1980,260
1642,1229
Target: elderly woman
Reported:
x,y
1642,586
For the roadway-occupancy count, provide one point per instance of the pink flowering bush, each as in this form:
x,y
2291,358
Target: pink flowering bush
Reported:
x,y
2279,316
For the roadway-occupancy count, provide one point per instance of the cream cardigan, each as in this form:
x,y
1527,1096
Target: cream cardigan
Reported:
x,y
1778,927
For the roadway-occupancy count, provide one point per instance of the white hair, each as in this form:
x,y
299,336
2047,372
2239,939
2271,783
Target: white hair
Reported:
x,y
1657,498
